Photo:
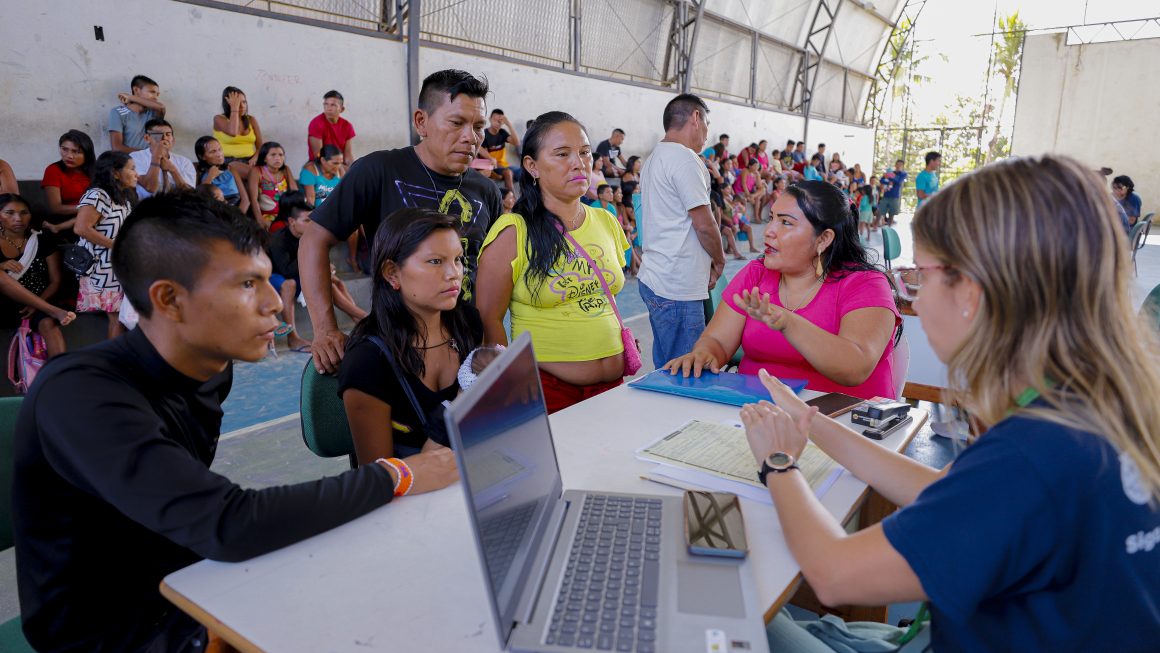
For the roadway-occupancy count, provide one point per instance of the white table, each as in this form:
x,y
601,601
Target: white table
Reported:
x,y
406,577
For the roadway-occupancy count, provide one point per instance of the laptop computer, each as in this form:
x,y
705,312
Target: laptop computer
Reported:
x,y
582,570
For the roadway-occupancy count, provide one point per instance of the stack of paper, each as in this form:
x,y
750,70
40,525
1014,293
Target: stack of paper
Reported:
x,y
717,456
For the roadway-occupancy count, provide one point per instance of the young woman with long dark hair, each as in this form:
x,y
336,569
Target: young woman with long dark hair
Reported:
x,y
418,318
66,180
212,170
529,265
814,307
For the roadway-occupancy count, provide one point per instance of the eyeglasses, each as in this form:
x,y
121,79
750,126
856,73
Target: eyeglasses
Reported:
x,y
160,134
908,279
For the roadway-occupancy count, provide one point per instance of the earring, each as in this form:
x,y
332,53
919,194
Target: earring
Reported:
x,y
535,180
819,269
966,314
396,286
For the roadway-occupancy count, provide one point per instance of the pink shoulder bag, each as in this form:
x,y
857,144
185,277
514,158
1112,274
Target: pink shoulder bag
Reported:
x,y
632,362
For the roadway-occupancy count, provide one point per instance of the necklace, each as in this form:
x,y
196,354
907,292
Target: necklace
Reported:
x,y
434,187
781,286
579,214
19,248
449,341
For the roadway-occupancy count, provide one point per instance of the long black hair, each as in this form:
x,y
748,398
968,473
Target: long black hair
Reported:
x,y
107,164
226,107
265,149
203,166
827,207
82,141
546,244
396,240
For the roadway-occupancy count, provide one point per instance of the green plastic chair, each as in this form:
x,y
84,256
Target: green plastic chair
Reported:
x,y
714,300
1138,237
325,429
1151,307
891,245
11,636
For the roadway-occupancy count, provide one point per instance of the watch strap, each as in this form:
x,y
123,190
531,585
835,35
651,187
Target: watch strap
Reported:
x,y
766,470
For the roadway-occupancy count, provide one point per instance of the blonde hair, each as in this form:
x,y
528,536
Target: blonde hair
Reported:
x,y
1044,242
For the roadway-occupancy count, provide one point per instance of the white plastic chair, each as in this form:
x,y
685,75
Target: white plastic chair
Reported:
x,y
900,363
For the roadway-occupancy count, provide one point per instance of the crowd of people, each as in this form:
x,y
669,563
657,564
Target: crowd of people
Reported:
x,y
123,475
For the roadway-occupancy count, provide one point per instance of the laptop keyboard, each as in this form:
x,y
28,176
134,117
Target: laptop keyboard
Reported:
x,y
608,598
502,534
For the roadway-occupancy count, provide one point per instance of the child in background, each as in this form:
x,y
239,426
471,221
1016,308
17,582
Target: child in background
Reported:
x,y
213,171
877,195
269,179
127,120
742,224
865,210
211,192
508,198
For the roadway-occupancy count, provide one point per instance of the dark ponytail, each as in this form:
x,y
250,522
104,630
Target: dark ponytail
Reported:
x,y
325,152
827,207
546,244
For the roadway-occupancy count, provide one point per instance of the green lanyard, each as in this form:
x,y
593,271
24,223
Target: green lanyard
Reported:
x,y
1026,397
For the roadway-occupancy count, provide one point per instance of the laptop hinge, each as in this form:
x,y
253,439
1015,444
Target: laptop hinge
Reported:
x,y
540,570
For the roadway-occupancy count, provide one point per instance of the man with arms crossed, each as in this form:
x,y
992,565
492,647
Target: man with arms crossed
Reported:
x,y
436,174
682,243
112,489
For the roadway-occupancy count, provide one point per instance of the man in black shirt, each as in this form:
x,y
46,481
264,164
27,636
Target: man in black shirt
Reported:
x,y
112,488
434,174
495,141
608,150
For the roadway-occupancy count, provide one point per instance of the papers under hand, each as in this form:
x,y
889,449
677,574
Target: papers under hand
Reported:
x,y
717,456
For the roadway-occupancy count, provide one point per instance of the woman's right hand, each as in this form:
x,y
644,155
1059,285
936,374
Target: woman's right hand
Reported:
x,y
234,99
694,361
11,266
212,173
433,468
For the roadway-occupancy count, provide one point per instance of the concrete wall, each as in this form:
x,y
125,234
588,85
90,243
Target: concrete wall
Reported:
x,y
55,75
1095,102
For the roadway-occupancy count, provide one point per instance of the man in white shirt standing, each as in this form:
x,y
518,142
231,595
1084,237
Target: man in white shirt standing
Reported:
x,y
159,169
682,243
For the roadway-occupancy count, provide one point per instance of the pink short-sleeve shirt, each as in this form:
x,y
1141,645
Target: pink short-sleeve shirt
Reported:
x,y
769,350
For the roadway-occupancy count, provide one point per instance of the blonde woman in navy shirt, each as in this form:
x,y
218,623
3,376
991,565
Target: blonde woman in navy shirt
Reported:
x,y
1044,534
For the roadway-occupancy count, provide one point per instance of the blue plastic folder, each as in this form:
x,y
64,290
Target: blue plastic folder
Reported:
x,y
731,389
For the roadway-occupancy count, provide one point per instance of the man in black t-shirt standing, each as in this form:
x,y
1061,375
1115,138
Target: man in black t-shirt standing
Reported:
x,y
436,173
496,140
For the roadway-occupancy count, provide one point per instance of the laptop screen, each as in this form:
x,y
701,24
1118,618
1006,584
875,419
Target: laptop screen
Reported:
x,y
499,428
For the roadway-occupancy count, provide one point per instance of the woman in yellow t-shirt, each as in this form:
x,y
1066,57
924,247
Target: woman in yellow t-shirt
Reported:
x,y
528,265
237,131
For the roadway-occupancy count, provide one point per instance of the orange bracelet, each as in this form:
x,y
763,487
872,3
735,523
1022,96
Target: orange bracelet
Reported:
x,y
406,478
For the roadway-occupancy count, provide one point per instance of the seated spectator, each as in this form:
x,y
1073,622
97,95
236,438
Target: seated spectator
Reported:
x,y
238,132
330,128
102,211
762,156
31,262
813,308
1057,498
65,181
498,135
1125,193
159,168
630,186
419,332
211,192
112,489
127,120
729,226
7,178
294,211
530,266
741,222
746,154
797,151
213,171
811,172
269,178
595,180
321,174
857,176
721,147
605,199
609,151
748,186
508,199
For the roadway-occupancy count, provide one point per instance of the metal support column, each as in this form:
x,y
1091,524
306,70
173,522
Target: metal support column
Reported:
x,y
678,69
411,9
817,40
576,17
892,54
753,70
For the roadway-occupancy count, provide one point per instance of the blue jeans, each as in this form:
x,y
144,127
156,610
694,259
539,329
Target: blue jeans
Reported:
x,y
676,325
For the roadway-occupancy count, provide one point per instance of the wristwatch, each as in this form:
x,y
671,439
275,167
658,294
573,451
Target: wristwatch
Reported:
x,y
777,463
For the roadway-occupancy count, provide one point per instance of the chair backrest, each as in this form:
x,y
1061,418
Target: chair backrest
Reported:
x,y
891,245
325,429
9,409
1151,307
1136,235
900,364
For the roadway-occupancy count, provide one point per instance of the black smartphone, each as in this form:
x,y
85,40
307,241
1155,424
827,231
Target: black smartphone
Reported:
x,y
889,427
833,404
713,524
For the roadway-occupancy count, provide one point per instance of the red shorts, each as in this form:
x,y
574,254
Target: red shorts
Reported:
x,y
559,394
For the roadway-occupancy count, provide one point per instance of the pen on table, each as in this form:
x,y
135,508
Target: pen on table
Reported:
x,y
665,481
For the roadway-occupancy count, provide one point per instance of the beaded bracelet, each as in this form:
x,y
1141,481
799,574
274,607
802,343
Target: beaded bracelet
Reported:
x,y
406,478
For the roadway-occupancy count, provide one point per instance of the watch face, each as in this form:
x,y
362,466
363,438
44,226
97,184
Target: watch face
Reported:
x,y
779,460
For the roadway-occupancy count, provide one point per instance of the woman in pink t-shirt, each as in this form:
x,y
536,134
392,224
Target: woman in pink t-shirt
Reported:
x,y
813,308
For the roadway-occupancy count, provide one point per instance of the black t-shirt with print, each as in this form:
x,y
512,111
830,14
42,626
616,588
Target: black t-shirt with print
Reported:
x,y
495,142
383,182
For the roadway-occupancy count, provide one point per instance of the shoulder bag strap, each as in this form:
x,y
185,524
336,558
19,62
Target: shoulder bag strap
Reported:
x,y
402,379
599,275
